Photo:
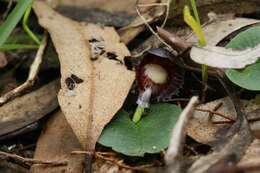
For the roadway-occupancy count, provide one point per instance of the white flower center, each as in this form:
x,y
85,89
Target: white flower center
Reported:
x,y
156,73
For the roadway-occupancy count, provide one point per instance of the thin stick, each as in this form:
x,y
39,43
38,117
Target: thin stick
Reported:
x,y
174,151
167,13
33,161
152,4
32,74
149,27
215,113
119,163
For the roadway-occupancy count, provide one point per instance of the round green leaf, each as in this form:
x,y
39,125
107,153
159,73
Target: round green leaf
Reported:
x,y
150,135
249,77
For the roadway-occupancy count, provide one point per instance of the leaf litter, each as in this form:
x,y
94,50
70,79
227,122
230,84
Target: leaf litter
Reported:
x,y
93,100
91,58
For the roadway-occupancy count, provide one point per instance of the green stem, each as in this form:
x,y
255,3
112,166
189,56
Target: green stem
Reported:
x,y
202,41
25,26
138,113
6,47
195,11
196,27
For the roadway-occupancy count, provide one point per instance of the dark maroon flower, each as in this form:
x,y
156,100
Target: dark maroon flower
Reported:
x,y
158,76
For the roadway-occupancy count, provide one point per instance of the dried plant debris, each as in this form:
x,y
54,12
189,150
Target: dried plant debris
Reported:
x,y
29,108
217,30
212,120
174,152
230,151
104,83
231,146
250,161
56,143
221,57
95,15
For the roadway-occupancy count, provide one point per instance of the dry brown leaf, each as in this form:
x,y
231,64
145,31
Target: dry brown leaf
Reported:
x,y
251,157
29,108
218,30
221,57
101,85
126,6
56,143
204,131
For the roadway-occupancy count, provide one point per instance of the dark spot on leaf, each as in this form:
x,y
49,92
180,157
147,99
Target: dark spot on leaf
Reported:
x,y
93,40
70,83
113,56
80,106
76,79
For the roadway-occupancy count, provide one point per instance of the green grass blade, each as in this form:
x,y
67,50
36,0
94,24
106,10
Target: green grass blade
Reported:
x,y
25,26
6,47
13,18
195,11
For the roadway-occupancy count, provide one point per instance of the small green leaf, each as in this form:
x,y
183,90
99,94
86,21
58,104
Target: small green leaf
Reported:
x,y
249,77
13,18
150,135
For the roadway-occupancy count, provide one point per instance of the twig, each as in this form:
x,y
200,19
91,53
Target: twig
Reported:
x,y
33,161
174,152
167,13
216,107
119,163
233,143
149,27
152,4
32,74
215,113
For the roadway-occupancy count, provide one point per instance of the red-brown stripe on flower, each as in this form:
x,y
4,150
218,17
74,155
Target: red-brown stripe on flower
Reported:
x,y
159,73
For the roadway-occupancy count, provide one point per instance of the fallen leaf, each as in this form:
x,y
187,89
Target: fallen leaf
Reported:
x,y
203,130
56,143
221,57
28,108
232,145
94,85
218,30
251,157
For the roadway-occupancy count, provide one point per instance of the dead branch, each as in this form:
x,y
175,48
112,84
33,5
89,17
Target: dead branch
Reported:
x,y
33,161
232,146
32,74
215,113
106,156
174,152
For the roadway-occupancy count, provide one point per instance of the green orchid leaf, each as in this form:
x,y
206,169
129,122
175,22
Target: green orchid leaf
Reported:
x,y
249,77
150,135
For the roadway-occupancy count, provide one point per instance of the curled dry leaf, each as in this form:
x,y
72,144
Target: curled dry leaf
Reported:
x,y
219,29
94,82
29,108
221,57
